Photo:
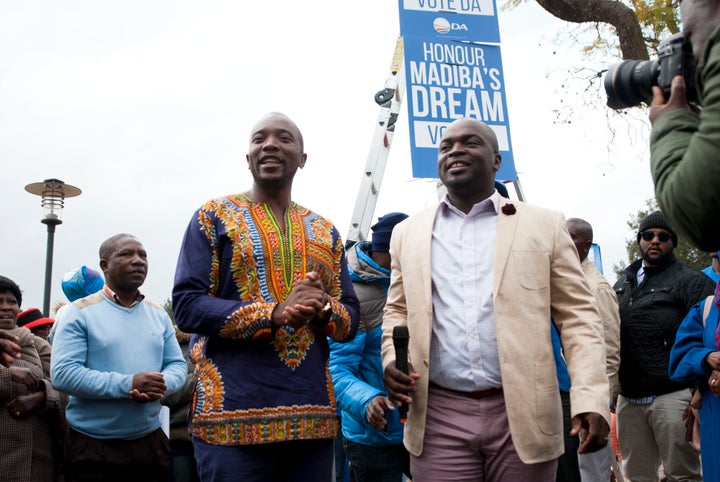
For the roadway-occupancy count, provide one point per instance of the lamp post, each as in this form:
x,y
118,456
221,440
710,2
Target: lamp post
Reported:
x,y
53,193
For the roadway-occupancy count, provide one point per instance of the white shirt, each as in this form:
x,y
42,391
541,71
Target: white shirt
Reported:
x,y
463,348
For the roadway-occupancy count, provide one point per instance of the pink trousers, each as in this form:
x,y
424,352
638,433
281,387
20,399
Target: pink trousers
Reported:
x,y
468,440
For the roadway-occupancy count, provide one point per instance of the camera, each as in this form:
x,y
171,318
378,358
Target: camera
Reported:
x,y
630,82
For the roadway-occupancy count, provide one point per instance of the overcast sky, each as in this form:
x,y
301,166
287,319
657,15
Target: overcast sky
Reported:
x,y
147,105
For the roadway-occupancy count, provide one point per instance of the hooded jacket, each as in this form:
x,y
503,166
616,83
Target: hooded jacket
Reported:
x,y
356,366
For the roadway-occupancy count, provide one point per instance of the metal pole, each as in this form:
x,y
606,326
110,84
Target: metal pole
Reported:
x,y
48,263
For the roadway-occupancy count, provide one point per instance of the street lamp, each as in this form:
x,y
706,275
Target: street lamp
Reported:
x,y
53,193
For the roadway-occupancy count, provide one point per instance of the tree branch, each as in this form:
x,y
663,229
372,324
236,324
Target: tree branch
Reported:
x,y
611,12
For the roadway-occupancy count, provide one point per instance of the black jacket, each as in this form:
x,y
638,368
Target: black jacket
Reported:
x,y
650,315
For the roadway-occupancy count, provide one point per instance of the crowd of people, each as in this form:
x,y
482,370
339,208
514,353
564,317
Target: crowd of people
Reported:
x,y
287,343
283,358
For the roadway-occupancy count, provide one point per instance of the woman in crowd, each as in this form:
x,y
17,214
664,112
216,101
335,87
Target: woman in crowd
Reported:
x,y
30,408
33,320
695,356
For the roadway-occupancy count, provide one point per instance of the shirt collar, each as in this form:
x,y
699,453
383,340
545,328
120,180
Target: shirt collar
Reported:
x,y
487,205
111,294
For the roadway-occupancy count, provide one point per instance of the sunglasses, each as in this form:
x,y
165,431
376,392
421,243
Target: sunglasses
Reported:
x,y
650,235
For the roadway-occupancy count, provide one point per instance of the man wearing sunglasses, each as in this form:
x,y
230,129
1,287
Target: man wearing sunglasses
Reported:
x,y
654,295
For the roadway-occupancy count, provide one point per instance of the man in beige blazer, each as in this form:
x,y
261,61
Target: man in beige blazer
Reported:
x,y
482,391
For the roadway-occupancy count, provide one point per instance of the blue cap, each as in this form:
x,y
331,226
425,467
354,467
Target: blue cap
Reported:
x,y
382,230
81,282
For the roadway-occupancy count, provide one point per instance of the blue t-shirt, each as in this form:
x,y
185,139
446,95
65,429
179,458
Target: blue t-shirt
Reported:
x,y
560,365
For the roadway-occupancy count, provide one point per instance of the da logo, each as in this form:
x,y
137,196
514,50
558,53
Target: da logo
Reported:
x,y
442,26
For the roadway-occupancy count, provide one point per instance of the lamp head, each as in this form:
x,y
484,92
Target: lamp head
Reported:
x,y
53,193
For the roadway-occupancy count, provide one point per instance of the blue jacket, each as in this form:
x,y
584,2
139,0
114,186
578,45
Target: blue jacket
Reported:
x,y
356,366
694,341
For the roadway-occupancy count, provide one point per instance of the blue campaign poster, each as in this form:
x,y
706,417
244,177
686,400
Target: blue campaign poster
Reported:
x,y
450,19
448,80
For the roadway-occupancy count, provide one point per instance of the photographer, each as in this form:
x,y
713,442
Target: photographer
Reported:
x,y
685,140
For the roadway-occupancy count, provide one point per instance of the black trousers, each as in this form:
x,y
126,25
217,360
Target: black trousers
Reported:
x,y
568,469
146,459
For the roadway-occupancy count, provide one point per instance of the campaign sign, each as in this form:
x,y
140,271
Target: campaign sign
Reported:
x,y
450,19
448,80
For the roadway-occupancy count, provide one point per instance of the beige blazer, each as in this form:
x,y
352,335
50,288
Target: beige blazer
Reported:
x,y
537,274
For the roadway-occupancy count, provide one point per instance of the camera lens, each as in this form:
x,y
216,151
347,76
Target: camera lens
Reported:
x,y
630,82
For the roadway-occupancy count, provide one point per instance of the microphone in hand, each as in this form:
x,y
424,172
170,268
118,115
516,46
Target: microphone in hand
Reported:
x,y
401,337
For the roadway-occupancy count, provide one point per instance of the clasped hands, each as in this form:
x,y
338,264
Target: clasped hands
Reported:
x,y
147,387
306,301
28,376
22,405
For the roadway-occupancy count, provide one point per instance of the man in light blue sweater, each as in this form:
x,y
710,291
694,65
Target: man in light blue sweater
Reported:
x,y
115,354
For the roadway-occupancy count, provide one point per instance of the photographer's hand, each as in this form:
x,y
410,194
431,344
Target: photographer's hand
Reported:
x,y
677,99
